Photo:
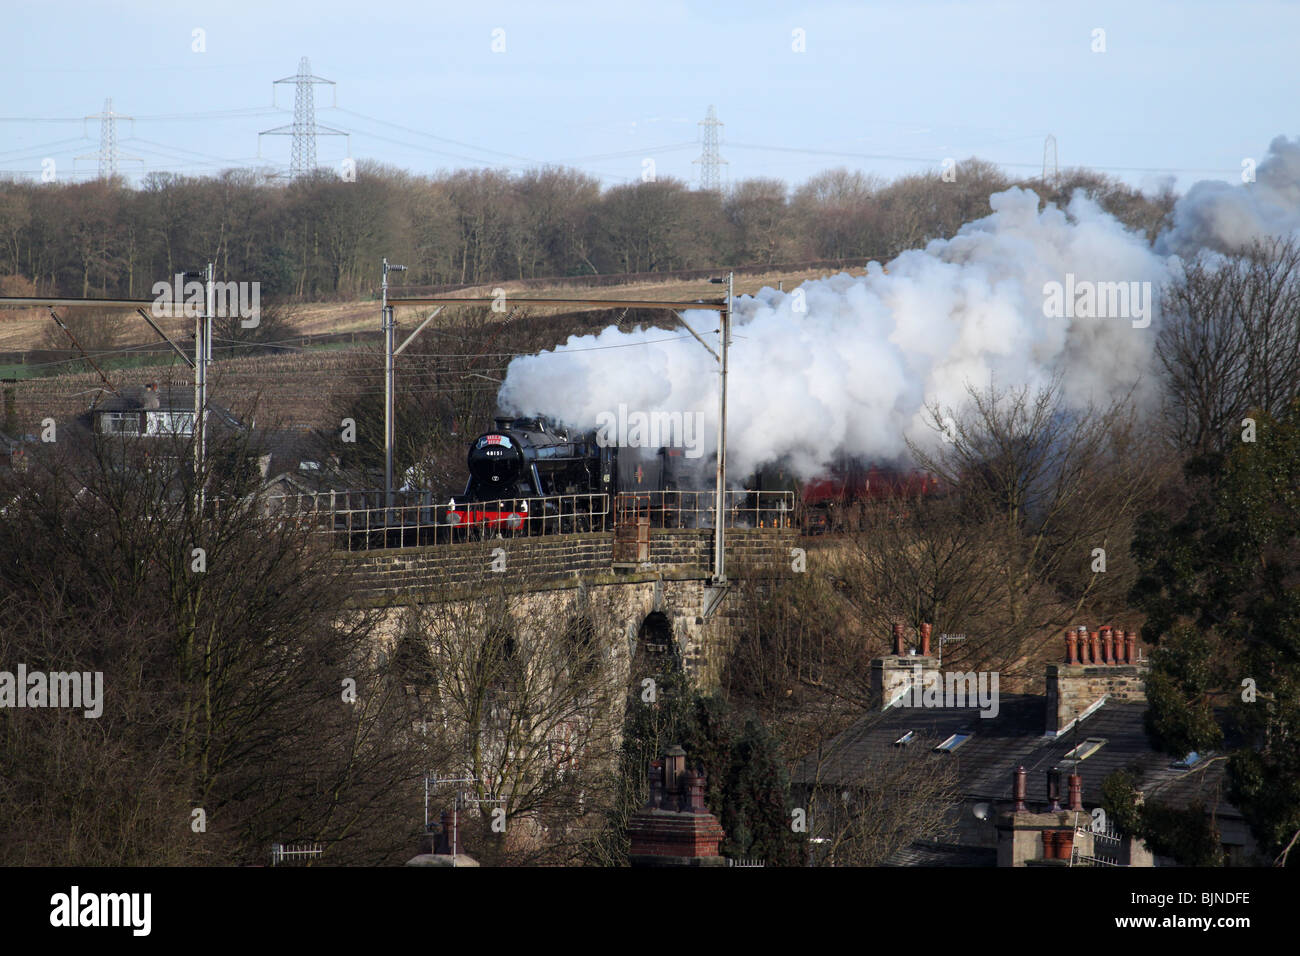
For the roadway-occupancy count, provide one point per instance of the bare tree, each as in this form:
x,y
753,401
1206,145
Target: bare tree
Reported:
x,y
1043,498
238,682
529,708
1230,342
866,805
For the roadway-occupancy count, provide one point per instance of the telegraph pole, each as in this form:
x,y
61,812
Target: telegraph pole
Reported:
x,y
388,384
719,531
202,354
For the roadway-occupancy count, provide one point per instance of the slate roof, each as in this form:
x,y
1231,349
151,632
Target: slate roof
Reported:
x,y
178,398
290,447
1015,737
944,854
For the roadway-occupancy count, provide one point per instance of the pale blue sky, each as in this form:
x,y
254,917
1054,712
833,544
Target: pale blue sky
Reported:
x,y
1183,86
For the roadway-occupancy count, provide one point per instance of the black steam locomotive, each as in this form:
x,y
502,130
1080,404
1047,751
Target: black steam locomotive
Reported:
x,y
523,459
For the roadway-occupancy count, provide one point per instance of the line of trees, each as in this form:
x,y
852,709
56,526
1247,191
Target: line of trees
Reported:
x,y
243,703
321,236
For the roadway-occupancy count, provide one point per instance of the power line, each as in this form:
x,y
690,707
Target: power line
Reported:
x,y
442,139
931,160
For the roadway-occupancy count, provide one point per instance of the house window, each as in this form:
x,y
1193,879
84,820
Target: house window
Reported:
x,y
955,741
120,423
171,423
1086,749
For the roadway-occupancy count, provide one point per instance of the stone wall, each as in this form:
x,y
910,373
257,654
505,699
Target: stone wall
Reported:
x,y
545,572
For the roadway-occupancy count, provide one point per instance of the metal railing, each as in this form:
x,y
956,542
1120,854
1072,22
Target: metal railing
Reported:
x,y
697,509
361,521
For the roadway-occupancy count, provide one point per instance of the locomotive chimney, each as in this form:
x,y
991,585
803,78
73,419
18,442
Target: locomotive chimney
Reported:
x,y
503,423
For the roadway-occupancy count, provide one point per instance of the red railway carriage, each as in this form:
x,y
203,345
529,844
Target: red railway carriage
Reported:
x,y
834,502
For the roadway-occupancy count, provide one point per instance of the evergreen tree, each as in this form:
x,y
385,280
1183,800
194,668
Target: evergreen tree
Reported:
x,y
1220,584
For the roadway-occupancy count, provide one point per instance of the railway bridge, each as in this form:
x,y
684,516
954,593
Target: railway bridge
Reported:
x,y
653,585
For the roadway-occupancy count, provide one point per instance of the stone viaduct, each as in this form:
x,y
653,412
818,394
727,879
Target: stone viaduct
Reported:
x,y
661,595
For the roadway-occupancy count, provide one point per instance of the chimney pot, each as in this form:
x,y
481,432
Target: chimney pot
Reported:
x,y
1020,790
1071,653
1049,845
656,785
1054,790
444,842
674,770
1064,844
925,640
1094,655
898,640
1111,648
1130,641
1076,792
695,792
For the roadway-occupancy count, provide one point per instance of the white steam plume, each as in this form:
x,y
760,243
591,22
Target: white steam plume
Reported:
x,y
1220,216
853,372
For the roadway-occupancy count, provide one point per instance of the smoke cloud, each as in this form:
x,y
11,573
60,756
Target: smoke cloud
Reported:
x,y
848,364
1220,216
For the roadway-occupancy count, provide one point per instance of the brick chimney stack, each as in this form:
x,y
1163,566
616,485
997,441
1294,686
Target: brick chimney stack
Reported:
x,y
1098,665
893,675
675,828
